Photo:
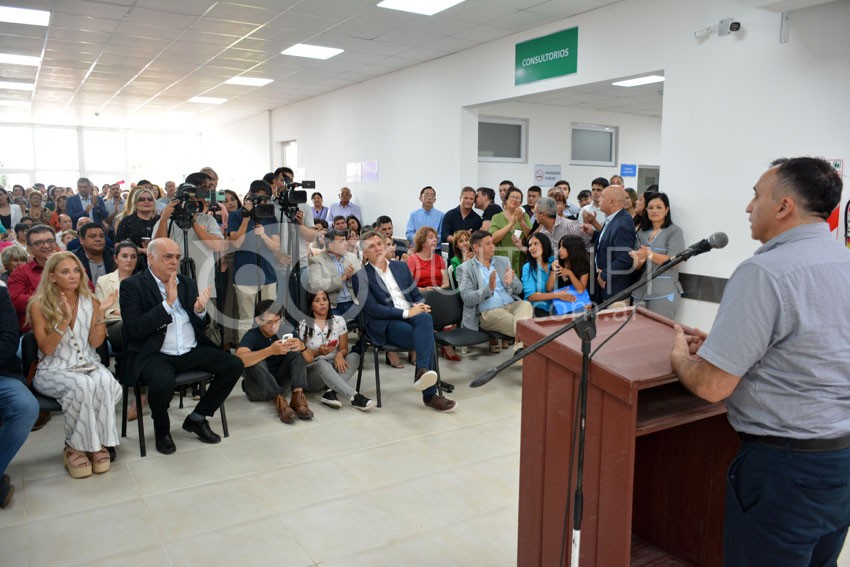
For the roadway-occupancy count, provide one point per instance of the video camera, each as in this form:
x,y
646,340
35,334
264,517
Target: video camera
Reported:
x,y
187,195
290,198
262,209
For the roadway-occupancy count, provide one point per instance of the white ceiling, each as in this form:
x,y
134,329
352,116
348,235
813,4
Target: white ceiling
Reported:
x,y
133,61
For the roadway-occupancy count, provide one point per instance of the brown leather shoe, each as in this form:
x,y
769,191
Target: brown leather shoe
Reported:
x,y
440,403
299,404
284,412
43,418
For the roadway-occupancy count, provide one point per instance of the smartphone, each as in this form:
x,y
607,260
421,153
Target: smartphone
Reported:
x,y
285,337
518,233
333,343
219,195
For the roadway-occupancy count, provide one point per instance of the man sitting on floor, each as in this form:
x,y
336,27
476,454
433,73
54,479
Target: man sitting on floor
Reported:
x,y
271,362
396,314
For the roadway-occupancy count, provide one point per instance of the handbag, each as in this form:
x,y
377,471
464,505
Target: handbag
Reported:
x,y
561,307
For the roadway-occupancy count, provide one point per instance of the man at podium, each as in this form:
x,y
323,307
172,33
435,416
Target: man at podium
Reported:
x,y
778,354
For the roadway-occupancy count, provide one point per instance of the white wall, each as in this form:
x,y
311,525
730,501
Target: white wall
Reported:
x,y
239,152
549,143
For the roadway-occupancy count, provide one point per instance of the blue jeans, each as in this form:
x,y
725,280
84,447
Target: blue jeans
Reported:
x,y
18,412
416,333
785,507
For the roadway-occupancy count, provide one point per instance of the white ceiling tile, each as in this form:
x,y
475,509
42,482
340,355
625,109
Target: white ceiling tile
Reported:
x,y
476,11
280,5
82,23
359,30
145,30
405,36
389,19
18,72
301,22
244,55
383,47
192,7
162,19
241,13
20,30
93,9
520,21
21,45
421,54
484,33
450,44
289,36
223,26
565,8
340,9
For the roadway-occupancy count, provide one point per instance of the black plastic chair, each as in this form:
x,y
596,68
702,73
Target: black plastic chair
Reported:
x,y
29,356
182,380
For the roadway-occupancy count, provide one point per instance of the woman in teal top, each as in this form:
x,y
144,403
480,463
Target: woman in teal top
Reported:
x,y
538,279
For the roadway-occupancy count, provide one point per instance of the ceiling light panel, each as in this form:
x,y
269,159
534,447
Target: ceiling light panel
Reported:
x,y
12,86
24,16
207,100
12,59
249,81
311,51
424,7
647,80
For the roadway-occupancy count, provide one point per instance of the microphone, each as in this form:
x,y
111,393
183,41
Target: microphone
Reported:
x,y
716,240
483,378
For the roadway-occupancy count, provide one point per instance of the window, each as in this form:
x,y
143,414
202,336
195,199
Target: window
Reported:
x,y
592,144
502,139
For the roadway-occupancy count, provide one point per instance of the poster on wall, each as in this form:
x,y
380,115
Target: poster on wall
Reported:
x,y
369,172
546,175
352,172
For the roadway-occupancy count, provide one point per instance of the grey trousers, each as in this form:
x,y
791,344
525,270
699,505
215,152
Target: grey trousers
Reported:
x,y
326,372
260,385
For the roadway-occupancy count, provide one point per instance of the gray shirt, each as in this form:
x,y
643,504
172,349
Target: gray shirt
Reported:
x,y
784,327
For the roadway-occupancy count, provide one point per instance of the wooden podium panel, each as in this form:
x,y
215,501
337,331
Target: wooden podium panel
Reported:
x,y
655,455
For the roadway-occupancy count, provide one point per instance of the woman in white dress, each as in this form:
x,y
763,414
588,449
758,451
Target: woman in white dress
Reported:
x,y
69,323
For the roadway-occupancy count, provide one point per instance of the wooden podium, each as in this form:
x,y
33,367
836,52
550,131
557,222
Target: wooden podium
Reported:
x,y
655,455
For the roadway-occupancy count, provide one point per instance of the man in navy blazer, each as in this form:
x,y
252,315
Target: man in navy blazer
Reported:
x,y
164,334
396,313
614,265
86,203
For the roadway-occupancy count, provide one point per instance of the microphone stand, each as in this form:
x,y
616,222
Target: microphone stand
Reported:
x,y
585,326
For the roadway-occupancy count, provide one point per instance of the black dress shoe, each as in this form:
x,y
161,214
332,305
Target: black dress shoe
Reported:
x,y
165,444
202,430
448,388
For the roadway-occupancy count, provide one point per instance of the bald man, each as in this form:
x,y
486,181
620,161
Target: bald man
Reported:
x,y
614,240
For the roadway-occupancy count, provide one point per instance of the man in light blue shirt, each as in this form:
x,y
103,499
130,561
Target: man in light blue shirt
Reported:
x,y
426,216
344,207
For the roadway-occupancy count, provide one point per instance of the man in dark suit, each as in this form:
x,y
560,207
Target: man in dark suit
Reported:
x,y
614,240
396,314
166,336
97,259
86,203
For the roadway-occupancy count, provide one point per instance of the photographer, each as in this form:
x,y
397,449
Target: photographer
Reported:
x,y
205,238
255,235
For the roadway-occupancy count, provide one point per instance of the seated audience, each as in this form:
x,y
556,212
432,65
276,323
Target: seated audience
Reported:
x,y
272,363
69,324
340,223
395,313
96,258
331,271
536,274
426,265
354,224
426,215
460,218
509,228
572,267
344,207
65,238
18,407
484,198
325,336
60,209
584,198
658,240
10,213
319,210
166,337
463,251
86,203
139,225
21,235
24,280
490,291
384,225
11,258
36,210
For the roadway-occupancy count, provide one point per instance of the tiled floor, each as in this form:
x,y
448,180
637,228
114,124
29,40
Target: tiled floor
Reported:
x,y
400,485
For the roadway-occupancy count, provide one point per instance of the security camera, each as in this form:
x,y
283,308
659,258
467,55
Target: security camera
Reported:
x,y
727,26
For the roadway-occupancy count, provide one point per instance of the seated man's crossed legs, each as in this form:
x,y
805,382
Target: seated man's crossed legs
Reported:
x,y
504,319
417,334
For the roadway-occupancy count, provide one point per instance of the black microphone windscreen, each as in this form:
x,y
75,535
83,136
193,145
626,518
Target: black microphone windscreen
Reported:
x,y
483,378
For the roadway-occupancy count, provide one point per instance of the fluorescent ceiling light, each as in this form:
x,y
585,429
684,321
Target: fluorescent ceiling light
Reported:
x,y
311,51
24,16
648,80
207,100
15,103
20,59
17,86
425,7
248,81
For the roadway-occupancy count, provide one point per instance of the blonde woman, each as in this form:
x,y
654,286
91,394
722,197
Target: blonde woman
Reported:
x,y
69,324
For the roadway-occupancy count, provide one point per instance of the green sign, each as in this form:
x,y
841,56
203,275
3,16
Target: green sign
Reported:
x,y
545,57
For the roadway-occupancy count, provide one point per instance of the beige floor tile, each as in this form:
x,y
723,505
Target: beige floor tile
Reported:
x,y
16,512
342,437
260,542
359,522
486,539
389,464
436,500
153,556
182,513
284,488
415,551
497,477
270,452
91,534
58,495
13,542
193,464
469,444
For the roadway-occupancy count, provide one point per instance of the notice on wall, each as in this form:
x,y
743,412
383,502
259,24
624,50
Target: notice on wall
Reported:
x,y
546,175
628,170
553,55
361,172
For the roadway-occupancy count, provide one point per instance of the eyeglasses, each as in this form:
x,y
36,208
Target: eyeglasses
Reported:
x,y
148,199
38,243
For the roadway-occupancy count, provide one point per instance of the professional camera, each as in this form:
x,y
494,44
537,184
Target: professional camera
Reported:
x,y
187,195
262,209
290,197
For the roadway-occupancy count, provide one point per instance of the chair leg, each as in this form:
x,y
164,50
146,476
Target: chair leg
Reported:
x,y
377,374
437,369
182,391
224,421
124,390
360,370
138,391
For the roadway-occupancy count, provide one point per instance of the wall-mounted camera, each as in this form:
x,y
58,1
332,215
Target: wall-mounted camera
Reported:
x,y
727,26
